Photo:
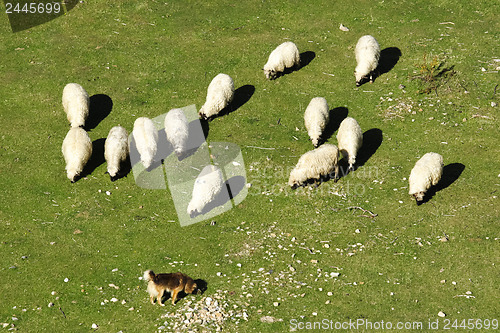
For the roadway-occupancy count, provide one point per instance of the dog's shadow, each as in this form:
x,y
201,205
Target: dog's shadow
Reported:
x,y
451,173
201,287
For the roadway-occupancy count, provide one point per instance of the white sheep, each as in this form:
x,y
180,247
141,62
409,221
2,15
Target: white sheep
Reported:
x,y
316,164
146,140
177,130
284,56
367,56
116,150
426,173
77,150
350,140
76,103
316,118
207,187
220,93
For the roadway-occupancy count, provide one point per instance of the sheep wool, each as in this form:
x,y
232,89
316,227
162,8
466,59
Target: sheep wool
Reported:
x,y
426,173
76,103
350,140
207,187
220,93
316,118
284,56
77,150
177,130
146,140
116,150
315,164
367,56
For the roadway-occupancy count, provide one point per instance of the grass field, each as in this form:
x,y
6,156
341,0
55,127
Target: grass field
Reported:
x,y
294,256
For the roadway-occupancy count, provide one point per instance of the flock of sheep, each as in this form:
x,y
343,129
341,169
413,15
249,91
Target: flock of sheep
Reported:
x,y
320,163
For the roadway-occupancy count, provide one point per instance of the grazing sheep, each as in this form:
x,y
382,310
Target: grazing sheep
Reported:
x,y
116,150
350,140
284,56
316,118
220,93
76,103
146,140
367,56
76,149
315,164
426,173
207,187
177,130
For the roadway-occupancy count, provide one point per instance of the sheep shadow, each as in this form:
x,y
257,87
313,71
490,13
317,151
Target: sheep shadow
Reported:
x,y
96,159
306,58
163,149
389,57
336,115
195,137
125,168
372,139
233,187
451,173
100,107
241,96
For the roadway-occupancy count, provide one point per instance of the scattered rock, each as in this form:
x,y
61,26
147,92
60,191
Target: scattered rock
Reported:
x,y
343,27
269,319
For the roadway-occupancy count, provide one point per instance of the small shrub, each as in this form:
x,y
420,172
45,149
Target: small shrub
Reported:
x,y
433,74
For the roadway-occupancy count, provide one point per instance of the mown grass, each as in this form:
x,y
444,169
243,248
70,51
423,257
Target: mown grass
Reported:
x,y
150,57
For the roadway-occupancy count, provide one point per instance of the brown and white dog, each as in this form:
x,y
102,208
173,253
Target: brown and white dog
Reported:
x,y
170,282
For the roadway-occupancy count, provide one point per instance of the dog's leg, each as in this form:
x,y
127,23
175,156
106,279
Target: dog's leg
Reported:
x,y
160,296
174,296
152,299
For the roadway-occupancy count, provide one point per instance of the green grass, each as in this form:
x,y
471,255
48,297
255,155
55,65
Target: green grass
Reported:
x,y
149,57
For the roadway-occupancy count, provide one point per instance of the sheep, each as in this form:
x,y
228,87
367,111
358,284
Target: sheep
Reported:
x,y
76,103
367,56
350,140
315,164
146,140
77,150
220,93
177,130
426,173
316,118
116,150
207,186
284,56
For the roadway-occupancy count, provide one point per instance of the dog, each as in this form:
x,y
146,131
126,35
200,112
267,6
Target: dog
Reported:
x,y
171,282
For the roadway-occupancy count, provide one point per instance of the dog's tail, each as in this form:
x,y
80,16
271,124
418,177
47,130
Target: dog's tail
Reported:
x,y
149,275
